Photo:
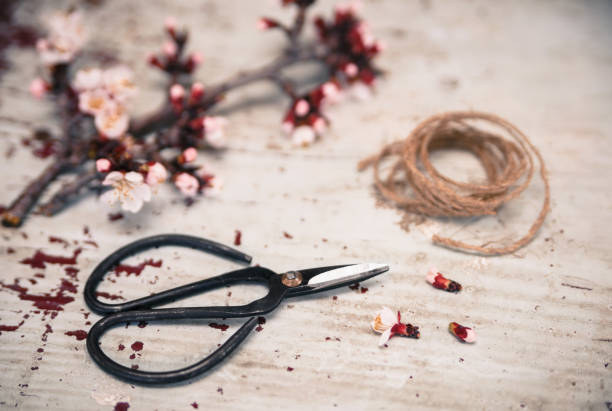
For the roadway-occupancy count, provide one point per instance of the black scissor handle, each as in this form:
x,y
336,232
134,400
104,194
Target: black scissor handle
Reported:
x,y
136,310
258,307
128,250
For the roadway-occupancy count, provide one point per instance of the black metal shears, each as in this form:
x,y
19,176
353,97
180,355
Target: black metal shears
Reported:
x,y
280,286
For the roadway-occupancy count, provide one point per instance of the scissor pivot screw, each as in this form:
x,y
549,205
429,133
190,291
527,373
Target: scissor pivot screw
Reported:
x,y
292,278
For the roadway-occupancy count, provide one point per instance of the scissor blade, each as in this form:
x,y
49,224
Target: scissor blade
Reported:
x,y
347,274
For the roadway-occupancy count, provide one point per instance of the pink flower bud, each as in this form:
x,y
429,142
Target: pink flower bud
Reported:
x,y
189,155
197,92
319,125
170,49
265,23
153,60
177,92
196,57
38,87
103,165
351,69
302,107
156,174
170,24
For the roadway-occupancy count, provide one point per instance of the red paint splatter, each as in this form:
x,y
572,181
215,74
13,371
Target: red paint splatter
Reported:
x,y
238,237
11,327
109,296
136,269
137,346
121,347
287,235
194,405
71,272
122,406
53,239
39,259
132,356
45,301
48,330
78,334
115,216
221,327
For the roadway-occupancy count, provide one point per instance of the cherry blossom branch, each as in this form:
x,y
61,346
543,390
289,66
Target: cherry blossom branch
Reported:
x,y
128,154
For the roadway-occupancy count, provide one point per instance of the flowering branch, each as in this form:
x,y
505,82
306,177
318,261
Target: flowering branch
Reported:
x,y
131,156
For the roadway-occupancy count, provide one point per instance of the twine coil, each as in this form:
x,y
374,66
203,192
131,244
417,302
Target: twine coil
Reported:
x,y
508,164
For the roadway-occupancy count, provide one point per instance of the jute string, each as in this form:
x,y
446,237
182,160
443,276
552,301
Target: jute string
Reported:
x,y
508,164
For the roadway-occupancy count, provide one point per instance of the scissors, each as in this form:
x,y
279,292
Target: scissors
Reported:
x,y
280,286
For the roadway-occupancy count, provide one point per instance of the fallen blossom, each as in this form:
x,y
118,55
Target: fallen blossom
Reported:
x,y
187,184
303,136
189,155
439,281
388,324
128,188
156,174
465,334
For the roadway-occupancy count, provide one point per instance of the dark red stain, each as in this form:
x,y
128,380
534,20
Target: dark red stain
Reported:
x,y
354,286
136,269
40,350
48,330
85,230
194,405
122,406
335,297
53,239
238,237
121,347
33,368
78,334
109,296
290,369
39,275
261,321
134,366
287,235
71,272
220,390
39,259
132,356
46,301
137,346
91,242
11,327
45,149
9,250
364,290
142,324
221,327
115,216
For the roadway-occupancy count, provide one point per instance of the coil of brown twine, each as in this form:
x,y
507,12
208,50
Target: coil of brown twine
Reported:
x,y
508,164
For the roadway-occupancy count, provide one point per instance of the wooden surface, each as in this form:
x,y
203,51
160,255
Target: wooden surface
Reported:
x,y
543,343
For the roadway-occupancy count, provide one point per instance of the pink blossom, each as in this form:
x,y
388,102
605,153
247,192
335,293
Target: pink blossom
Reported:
x,y
156,174
119,83
214,127
197,92
93,101
88,79
103,165
196,57
112,122
351,70
38,87
177,92
331,92
187,183
128,188
189,155
65,39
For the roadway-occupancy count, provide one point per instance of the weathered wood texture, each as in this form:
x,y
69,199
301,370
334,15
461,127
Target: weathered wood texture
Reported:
x,y
546,66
